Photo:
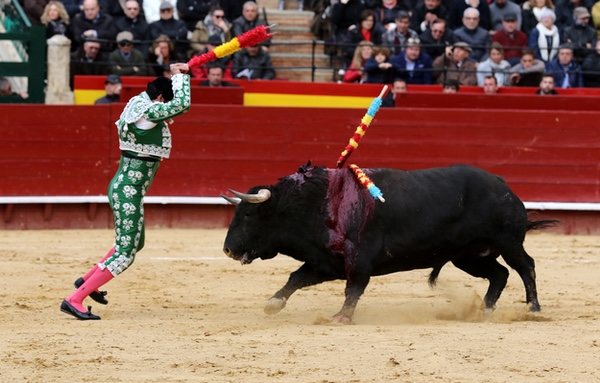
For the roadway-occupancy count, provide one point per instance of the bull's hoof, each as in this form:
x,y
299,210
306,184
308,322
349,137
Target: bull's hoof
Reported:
x,y
341,319
534,308
274,305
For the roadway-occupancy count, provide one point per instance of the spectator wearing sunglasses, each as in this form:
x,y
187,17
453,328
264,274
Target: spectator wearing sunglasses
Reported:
x,y
126,60
214,24
134,21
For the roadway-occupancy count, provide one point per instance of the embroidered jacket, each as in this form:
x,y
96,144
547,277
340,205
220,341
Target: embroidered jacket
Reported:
x,y
142,127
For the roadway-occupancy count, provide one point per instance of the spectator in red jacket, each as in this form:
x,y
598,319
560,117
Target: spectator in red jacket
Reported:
x,y
512,40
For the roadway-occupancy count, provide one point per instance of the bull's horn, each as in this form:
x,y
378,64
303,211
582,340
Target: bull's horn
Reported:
x,y
231,200
261,196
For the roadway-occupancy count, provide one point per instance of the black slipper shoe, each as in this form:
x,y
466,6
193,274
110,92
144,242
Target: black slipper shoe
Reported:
x,y
68,308
98,296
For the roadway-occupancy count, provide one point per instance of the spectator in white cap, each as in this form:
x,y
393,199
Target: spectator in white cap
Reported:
x,y
168,25
126,60
544,39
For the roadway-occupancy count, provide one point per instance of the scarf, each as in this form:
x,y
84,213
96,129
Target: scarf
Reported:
x,y
547,53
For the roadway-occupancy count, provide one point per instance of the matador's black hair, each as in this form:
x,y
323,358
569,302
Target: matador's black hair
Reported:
x,y
160,85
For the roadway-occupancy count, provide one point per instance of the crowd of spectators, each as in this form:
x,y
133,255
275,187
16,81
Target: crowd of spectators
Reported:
x,y
435,41
139,38
377,41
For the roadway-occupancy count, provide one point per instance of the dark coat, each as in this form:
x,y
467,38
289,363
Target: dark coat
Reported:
x,y
591,70
573,70
192,11
376,75
418,16
135,65
175,29
325,219
241,25
422,73
104,25
435,48
456,9
253,67
578,36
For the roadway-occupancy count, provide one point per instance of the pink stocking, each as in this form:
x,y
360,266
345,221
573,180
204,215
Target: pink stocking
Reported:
x,y
97,279
95,267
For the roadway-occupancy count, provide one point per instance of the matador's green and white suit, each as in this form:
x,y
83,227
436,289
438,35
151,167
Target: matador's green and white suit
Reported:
x,y
144,140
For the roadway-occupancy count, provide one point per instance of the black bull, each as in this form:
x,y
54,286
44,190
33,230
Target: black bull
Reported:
x,y
324,218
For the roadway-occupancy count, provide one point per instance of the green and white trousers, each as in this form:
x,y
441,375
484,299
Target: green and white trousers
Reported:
x,y
126,193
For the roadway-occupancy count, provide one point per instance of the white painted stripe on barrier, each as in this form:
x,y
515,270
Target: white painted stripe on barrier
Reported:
x,y
165,200
162,200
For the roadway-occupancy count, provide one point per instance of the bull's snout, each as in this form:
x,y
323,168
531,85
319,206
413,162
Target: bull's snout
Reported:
x,y
227,252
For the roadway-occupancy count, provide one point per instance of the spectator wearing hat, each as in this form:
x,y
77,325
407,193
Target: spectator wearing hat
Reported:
x,y
564,69
413,65
501,8
92,23
253,63
455,64
436,38
398,36
565,9
471,33
214,24
134,21
512,40
247,21
580,35
226,62
112,88
426,12
126,60
545,39
168,25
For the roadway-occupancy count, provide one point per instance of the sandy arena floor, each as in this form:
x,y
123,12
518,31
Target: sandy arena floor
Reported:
x,y
186,313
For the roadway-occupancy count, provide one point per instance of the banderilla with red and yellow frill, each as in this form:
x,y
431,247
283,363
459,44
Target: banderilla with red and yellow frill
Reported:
x,y
247,39
359,133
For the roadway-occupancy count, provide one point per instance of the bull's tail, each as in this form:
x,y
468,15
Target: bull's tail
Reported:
x,y
542,224
433,276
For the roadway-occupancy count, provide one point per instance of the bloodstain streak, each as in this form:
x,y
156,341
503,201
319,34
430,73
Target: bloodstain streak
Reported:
x,y
349,208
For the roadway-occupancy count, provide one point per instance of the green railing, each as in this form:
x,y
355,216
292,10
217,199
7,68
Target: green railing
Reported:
x,y
30,44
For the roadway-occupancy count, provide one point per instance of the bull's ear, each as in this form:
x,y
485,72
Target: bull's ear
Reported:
x,y
305,168
232,200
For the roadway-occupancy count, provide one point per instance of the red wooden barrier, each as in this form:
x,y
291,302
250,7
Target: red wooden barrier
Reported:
x,y
200,95
51,150
496,101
